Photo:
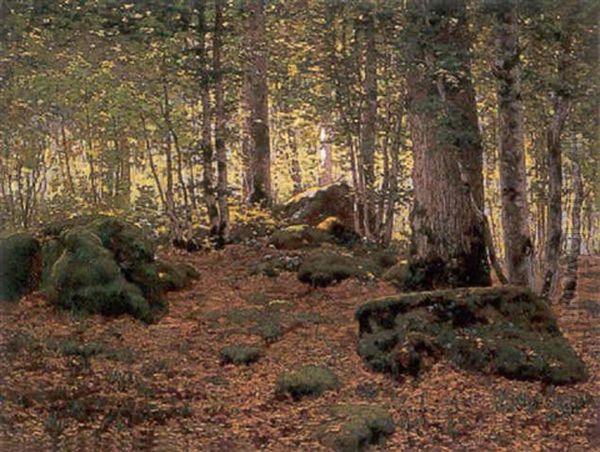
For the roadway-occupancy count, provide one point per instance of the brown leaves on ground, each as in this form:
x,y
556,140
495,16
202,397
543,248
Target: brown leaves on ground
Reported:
x,y
110,384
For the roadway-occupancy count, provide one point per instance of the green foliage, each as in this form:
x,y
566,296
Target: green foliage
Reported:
x,y
241,354
309,381
19,256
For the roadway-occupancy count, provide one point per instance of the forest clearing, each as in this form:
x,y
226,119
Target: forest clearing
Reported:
x,y
164,387
299,225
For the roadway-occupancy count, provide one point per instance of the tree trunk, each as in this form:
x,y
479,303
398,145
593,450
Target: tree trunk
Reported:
x,y
295,168
368,130
205,141
258,104
448,235
513,180
222,183
570,278
325,155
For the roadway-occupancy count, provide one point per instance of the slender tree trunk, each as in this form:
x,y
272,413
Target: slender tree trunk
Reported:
x,y
206,138
368,129
325,155
67,155
448,239
295,168
258,103
513,180
570,278
220,119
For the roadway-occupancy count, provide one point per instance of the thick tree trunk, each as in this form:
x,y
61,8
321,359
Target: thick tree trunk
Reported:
x,y
570,278
258,104
513,180
220,118
448,239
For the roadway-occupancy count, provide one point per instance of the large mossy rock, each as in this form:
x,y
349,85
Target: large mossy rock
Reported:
x,y
504,330
86,277
19,260
108,266
316,205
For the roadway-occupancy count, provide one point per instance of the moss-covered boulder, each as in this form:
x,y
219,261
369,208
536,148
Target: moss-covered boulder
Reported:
x,y
503,330
297,237
338,231
354,428
309,381
19,261
86,277
105,265
325,268
315,205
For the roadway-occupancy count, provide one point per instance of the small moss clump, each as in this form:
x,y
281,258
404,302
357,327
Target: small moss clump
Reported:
x,y
269,329
325,268
356,427
309,381
176,275
241,354
18,259
396,274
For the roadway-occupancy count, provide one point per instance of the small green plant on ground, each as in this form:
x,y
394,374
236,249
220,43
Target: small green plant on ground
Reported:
x,y
241,354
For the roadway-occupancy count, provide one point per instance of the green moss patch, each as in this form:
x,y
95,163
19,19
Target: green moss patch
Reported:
x,y
309,381
176,275
19,254
241,354
107,266
325,268
505,330
268,328
356,427
297,237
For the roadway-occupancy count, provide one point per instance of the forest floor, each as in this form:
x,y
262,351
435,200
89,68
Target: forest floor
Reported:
x,y
70,382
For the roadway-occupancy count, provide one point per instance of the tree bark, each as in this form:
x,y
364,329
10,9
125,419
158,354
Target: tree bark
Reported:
x,y
448,235
325,154
513,180
205,140
220,119
570,278
368,128
555,185
258,104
